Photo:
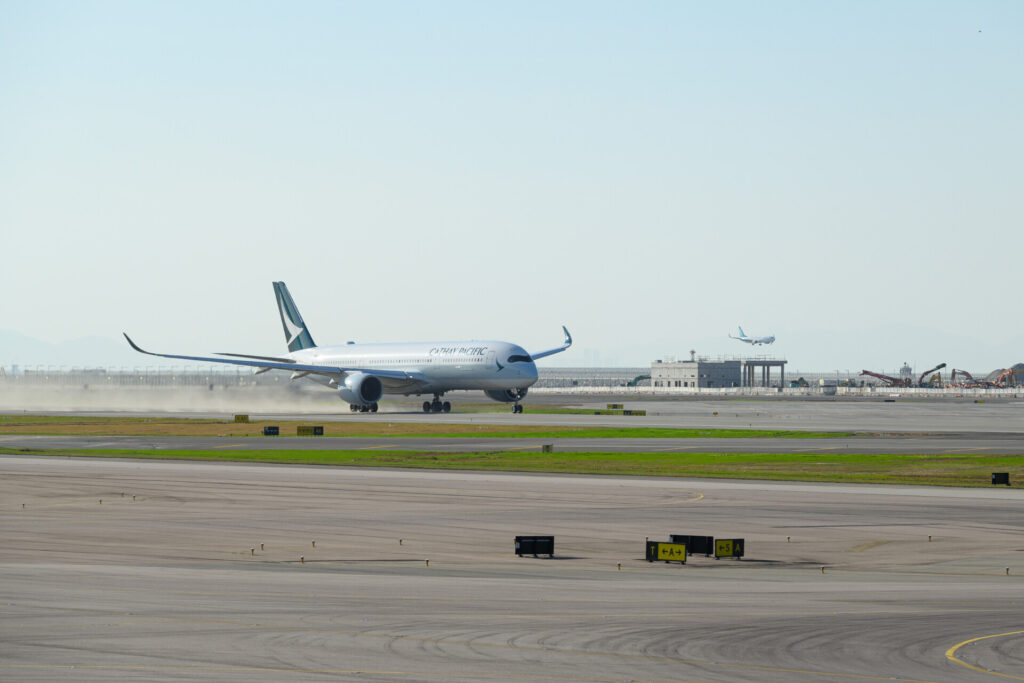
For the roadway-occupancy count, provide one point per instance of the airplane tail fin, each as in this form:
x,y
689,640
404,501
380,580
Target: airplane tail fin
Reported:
x,y
742,333
294,328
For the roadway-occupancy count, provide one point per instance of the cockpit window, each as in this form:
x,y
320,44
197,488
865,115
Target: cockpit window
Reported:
x,y
519,359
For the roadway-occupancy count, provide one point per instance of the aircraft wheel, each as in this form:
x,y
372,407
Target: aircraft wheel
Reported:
x,y
426,406
364,409
373,407
353,407
446,407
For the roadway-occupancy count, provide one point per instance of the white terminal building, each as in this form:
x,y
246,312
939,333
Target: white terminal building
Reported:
x,y
703,372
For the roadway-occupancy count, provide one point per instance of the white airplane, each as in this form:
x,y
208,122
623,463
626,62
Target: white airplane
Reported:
x,y
362,373
753,341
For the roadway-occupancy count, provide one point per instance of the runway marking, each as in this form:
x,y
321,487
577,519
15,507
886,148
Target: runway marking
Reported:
x,y
476,644
231,445
371,448
951,655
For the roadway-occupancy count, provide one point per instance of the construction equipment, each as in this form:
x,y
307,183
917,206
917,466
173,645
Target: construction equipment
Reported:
x,y
962,373
1001,379
969,381
920,380
891,381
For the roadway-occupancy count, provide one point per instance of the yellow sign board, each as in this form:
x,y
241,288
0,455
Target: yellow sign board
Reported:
x,y
672,552
723,548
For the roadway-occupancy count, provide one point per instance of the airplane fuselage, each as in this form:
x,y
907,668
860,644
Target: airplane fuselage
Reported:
x,y
439,366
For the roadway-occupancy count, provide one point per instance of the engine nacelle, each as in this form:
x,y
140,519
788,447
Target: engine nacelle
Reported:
x,y
361,389
506,395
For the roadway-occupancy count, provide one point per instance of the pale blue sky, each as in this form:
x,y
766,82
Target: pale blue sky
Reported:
x,y
845,175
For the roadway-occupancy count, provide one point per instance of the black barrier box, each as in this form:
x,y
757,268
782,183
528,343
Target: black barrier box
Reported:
x,y
1002,478
271,431
695,545
729,547
535,545
666,552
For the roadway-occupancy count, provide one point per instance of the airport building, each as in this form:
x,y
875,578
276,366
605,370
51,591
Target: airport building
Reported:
x,y
717,373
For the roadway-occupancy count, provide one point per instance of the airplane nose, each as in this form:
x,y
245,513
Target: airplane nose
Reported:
x,y
530,371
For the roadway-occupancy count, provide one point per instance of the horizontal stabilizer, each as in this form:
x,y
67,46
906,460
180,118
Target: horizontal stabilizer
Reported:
x,y
272,359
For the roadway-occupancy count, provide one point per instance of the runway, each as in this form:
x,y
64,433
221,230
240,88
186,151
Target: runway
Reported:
x,y
164,586
944,443
902,416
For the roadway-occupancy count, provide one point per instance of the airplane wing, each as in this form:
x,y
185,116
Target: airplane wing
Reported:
x,y
550,352
270,362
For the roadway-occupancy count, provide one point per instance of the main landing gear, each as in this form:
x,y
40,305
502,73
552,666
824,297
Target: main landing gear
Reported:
x,y
363,408
436,406
517,408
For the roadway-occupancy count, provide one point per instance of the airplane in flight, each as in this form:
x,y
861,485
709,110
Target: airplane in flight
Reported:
x,y
363,373
753,341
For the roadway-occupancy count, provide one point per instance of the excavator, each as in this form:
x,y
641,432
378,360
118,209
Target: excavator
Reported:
x,y
1000,381
970,381
935,380
891,381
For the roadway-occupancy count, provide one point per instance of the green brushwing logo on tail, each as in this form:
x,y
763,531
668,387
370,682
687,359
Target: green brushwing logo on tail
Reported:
x,y
295,331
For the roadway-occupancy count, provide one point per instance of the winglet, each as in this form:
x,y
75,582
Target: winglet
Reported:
x,y
136,346
563,347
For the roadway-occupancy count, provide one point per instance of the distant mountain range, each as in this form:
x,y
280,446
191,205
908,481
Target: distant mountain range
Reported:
x,y
86,352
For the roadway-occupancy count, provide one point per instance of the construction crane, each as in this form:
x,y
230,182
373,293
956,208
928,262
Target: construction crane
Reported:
x,y
891,381
920,380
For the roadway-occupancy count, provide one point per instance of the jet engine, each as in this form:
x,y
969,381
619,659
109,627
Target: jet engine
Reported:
x,y
361,389
506,395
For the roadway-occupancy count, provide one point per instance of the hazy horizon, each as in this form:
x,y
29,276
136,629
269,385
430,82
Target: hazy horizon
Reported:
x,y
845,176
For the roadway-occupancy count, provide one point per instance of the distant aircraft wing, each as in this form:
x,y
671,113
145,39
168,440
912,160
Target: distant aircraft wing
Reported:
x,y
272,363
550,352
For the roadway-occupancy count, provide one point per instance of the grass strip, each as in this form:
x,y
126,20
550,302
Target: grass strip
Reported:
x,y
973,470
47,425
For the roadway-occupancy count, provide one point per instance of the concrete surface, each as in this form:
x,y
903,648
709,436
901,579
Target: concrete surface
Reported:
x,y
164,587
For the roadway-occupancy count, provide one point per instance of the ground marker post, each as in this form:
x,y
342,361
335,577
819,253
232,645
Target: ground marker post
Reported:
x,y
302,559
252,551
